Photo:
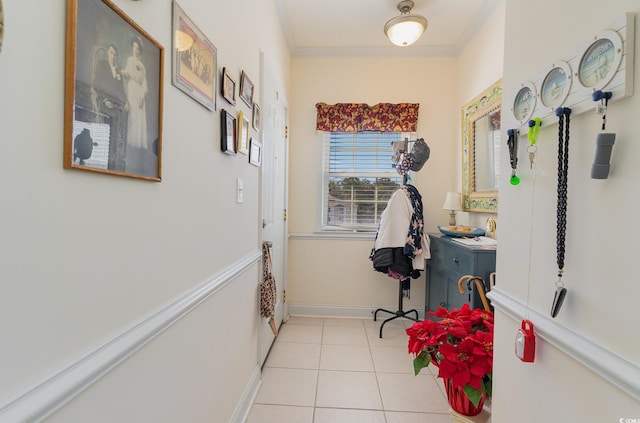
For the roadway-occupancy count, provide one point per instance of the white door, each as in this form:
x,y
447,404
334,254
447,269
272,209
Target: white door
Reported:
x,y
273,136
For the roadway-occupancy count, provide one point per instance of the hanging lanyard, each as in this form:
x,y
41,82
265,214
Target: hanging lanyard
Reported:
x,y
563,114
532,136
512,143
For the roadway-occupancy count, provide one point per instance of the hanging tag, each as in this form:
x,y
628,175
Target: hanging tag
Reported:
x,y
526,342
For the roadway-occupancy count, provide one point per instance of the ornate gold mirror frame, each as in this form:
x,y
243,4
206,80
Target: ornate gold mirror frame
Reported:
x,y
481,120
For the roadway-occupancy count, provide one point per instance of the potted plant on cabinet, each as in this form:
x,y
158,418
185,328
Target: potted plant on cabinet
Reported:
x,y
460,343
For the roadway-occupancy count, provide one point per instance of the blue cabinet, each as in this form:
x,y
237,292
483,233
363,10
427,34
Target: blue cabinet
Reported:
x,y
450,260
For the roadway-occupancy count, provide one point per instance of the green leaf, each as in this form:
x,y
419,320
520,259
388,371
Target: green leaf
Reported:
x,y
421,361
487,383
473,394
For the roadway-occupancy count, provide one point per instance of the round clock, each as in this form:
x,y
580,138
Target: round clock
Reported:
x,y
524,103
600,61
556,85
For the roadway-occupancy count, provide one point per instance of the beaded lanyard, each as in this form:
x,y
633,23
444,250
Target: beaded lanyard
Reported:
x,y
563,114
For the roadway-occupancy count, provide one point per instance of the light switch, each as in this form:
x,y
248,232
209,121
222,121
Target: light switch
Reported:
x,y
239,190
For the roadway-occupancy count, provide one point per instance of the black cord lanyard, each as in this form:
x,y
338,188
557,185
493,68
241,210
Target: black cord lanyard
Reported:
x,y
512,143
561,228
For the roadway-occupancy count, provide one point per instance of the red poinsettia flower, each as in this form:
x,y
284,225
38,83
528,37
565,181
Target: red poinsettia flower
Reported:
x,y
425,333
484,345
463,366
460,343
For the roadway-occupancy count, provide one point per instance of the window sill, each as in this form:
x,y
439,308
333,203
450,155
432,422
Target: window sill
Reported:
x,y
334,235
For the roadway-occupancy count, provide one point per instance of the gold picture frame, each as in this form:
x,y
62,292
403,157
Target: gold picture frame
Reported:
x,y
243,133
113,105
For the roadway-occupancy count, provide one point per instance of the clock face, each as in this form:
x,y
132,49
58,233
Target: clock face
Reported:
x,y
523,104
555,86
597,64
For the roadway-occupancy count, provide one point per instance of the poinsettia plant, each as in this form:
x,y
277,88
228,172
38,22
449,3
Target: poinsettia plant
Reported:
x,y
460,343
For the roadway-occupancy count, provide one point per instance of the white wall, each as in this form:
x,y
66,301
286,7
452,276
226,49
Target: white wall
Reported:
x,y
87,256
601,305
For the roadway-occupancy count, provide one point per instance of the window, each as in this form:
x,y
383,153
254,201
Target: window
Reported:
x,y
358,178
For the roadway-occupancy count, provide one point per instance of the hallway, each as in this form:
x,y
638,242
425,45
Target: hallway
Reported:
x,y
339,371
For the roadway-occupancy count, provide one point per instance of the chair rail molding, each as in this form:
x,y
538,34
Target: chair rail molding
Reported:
x,y
45,398
611,367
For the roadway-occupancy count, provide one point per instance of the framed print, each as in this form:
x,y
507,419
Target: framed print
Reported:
x,y
195,62
228,133
556,85
228,87
243,133
113,93
256,117
600,61
246,89
255,152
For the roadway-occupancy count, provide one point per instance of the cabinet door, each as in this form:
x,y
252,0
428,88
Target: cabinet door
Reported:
x,y
436,289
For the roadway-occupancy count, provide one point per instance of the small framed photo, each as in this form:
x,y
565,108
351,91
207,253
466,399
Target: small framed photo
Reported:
x,y
256,117
228,133
113,93
246,89
255,152
195,64
243,133
228,87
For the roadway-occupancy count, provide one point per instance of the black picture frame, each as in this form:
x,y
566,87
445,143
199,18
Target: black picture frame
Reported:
x,y
228,133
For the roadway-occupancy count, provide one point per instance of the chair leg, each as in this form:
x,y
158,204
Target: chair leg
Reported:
x,y
400,313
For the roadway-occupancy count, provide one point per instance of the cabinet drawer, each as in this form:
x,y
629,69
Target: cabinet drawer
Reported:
x,y
458,260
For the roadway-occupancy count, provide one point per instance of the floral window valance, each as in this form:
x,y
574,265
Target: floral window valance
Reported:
x,y
356,117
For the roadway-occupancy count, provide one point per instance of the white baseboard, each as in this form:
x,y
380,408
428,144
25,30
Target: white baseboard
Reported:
x,y
244,405
342,311
611,367
51,394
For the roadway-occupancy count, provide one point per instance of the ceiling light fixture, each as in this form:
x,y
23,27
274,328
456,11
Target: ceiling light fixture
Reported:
x,y
405,29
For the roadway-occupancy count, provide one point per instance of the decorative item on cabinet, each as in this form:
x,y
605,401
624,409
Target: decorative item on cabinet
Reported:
x,y
450,261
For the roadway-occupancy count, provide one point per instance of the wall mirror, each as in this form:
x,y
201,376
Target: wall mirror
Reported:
x,y
481,141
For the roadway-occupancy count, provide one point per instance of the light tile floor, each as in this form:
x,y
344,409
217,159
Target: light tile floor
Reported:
x,y
340,371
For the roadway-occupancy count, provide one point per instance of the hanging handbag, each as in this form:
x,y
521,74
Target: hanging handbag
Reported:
x,y
268,289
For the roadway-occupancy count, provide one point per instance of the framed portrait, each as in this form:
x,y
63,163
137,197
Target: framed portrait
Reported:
x,y
246,89
228,139
228,87
195,60
255,152
256,117
113,93
243,133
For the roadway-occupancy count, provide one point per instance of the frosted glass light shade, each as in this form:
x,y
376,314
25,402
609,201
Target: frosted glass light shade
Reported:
x,y
405,30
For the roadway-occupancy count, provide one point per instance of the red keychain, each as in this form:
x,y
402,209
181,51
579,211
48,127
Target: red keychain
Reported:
x,y
526,342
